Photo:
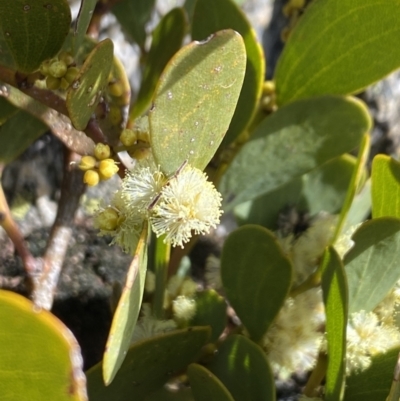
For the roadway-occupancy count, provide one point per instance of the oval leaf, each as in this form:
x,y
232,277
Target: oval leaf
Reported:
x,y
86,91
210,310
373,383
133,17
17,134
39,357
148,365
322,189
211,16
34,30
331,48
206,386
195,100
256,276
385,179
294,140
127,312
167,40
356,181
372,264
82,21
244,370
334,289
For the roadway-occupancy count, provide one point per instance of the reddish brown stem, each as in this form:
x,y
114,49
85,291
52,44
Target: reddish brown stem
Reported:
x,y
10,227
61,233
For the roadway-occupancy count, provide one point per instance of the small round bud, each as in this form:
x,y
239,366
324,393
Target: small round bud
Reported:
x,y
107,168
64,85
53,83
116,89
91,178
57,69
66,57
268,87
143,136
128,137
71,74
44,67
115,115
107,219
87,163
139,153
102,151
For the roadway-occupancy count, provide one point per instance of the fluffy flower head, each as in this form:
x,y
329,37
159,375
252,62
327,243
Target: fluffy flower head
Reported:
x,y
188,203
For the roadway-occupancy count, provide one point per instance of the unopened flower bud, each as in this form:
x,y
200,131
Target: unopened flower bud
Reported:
x,y
91,178
87,163
71,74
57,69
52,83
66,57
116,89
139,153
102,151
107,219
128,137
44,67
115,115
143,136
64,85
108,168
268,87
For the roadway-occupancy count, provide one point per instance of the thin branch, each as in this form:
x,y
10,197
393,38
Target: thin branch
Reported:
x,y
53,259
61,126
11,228
46,97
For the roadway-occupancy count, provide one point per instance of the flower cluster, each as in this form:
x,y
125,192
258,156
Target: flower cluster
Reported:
x,y
176,207
366,337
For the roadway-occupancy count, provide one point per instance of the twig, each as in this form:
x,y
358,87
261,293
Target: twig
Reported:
x,y
46,97
11,228
60,125
61,233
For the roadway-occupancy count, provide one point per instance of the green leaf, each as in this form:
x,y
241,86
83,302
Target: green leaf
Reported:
x,y
385,179
86,91
322,189
360,208
82,21
167,40
164,394
34,30
7,110
39,357
148,365
372,384
355,183
296,139
6,57
244,370
127,312
17,134
339,47
210,310
133,16
372,264
59,124
211,16
334,289
195,100
206,386
256,276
